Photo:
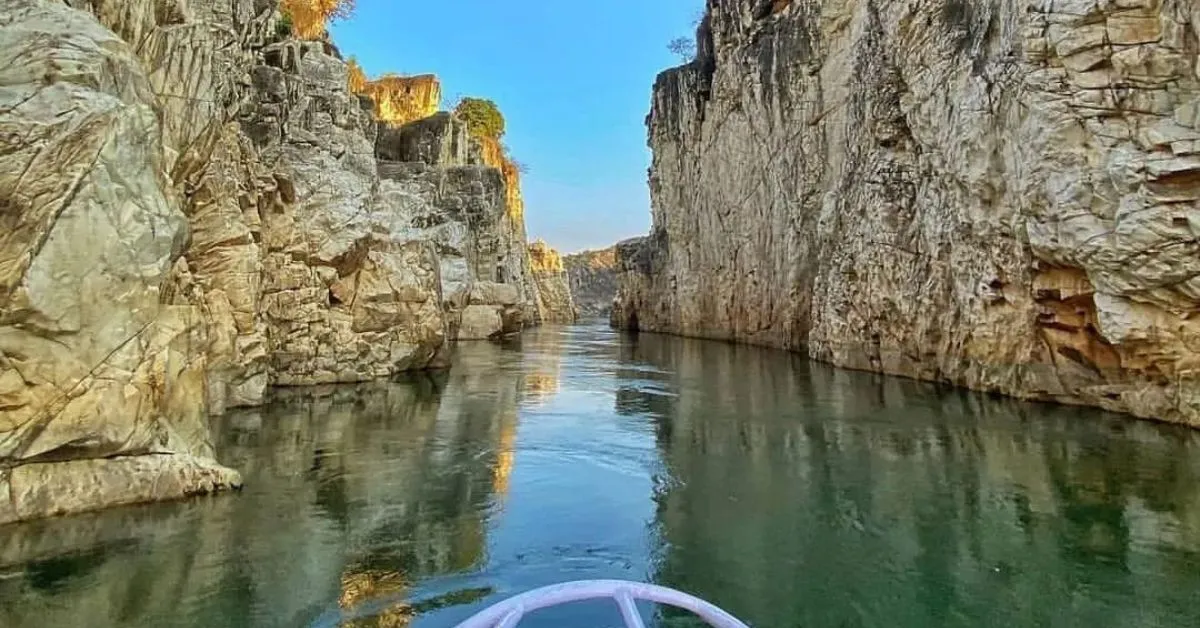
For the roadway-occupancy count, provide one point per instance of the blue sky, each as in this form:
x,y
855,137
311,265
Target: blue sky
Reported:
x,y
573,80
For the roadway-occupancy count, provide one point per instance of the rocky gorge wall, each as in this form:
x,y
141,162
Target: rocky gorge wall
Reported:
x,y
555,304
194,206
593,278
1000,195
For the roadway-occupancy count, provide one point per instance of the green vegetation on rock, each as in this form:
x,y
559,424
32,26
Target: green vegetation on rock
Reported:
x,y
482,116
283,27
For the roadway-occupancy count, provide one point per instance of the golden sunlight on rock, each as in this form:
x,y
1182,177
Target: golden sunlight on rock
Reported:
x,y
544,259
504,461
362,586
356,78
493,155
555,301
402,99
309,18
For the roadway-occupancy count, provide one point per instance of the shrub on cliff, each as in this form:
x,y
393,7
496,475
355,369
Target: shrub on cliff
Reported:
x,y
356,78
482,116
309,18
683,47
283,28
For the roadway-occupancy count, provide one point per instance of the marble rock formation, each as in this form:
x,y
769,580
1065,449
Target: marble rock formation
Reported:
x,y
102,383
434,171
995,195
192,209
593,279
553,287
401,99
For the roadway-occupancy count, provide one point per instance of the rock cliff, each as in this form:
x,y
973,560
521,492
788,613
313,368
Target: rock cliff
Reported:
x,y
195,206
401,99
593,279
553,287
995,195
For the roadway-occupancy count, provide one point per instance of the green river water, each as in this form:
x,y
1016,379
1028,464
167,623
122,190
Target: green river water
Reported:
x,y
789,493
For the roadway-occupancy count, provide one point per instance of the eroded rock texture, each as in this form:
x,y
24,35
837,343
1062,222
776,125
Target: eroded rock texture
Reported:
x,y
999,195
400,99
435,171
593,278
554,303
192,209
100,381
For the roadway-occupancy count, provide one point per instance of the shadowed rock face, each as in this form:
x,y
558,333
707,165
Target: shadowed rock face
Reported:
x,y
593,280
995,195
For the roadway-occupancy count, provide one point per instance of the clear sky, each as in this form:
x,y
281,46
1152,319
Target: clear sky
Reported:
x,y
573,80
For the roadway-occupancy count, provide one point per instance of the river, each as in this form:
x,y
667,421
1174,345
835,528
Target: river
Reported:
x,y
788,492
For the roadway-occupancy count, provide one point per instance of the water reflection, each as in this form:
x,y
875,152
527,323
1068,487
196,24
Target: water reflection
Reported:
x,y
354,493
791,493
809,496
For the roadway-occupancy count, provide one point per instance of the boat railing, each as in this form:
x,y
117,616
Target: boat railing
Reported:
x,y
508,613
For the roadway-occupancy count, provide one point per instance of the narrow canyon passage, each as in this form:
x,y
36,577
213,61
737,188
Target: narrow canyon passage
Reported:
x,y
788,492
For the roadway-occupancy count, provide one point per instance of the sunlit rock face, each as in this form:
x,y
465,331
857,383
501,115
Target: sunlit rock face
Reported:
x,y
402,99
194,211
308,19
492,154
554,304
1000,196
348,293
433,170
593,281
102,382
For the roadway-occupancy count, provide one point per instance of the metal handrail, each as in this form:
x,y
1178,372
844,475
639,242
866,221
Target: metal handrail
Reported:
x,y
506,614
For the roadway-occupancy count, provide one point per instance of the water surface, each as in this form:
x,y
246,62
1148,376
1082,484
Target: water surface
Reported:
x,y
790,493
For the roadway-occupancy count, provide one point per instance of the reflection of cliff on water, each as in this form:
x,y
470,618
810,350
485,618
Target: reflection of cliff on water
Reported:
x,y
542,355
352,494
803,495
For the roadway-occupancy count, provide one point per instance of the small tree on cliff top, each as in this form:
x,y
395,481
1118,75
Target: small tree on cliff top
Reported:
x,y
482,116
683,47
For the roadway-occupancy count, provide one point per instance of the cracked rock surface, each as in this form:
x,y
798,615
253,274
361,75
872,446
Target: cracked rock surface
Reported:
x,y
1000,195
195,207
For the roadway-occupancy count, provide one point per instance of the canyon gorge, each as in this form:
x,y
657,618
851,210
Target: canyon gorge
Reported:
x,y
593,277
200,201
997,195
240,256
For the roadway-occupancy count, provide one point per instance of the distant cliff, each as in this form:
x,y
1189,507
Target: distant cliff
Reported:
x,y
555,304
995,195
593,281
198,206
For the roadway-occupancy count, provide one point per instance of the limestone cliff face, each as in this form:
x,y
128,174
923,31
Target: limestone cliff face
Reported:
x,y
593,278
401,99
493,155
996,195
553,287
487,286
195,206
102,381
